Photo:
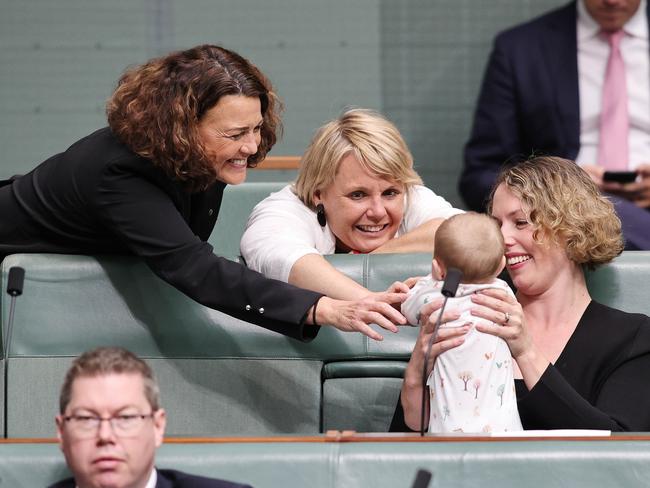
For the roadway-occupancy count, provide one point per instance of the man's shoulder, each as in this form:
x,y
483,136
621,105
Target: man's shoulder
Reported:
x,y
169,478
559,17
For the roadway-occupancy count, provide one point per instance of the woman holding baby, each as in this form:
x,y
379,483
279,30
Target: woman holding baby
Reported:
x,y
578,364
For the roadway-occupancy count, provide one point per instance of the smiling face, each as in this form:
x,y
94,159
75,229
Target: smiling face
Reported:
x,y
230,133
611,15
104,459
533,266
363,210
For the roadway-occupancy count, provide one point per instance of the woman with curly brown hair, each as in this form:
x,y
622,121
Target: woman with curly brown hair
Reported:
x,y
579,364
181,127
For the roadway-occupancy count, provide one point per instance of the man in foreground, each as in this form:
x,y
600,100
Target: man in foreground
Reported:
x,y
111,423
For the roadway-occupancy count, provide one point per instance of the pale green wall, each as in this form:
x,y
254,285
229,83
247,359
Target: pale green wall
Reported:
x,y
419,61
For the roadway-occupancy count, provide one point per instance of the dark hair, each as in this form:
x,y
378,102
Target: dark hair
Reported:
x,y
109,360
156,108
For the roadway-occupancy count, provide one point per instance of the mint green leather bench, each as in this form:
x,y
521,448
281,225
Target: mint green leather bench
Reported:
x,y
361,395
503,464
237,204
219,375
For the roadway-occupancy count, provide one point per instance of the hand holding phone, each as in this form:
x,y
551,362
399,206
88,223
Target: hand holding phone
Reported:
x,y
620,176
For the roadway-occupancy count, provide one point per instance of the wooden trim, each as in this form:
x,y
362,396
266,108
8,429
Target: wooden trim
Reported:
x,y
244,440
279,162
347,436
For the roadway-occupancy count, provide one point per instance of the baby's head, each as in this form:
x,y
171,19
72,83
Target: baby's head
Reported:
x,y
471,242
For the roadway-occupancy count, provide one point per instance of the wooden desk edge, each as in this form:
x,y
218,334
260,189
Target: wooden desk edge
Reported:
x,y
354,437
279,162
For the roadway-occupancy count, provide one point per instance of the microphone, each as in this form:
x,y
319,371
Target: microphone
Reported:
x,y
14,289
452,280
422,479
449,287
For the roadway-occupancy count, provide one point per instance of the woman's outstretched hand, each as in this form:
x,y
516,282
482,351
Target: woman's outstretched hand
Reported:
x,y
355,316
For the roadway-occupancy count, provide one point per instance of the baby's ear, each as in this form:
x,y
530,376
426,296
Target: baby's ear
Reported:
x,y
502,265
438,270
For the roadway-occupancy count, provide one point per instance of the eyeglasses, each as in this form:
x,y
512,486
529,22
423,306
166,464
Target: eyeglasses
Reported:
x,y
86,426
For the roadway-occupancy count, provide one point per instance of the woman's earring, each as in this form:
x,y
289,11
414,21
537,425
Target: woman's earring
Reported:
x,y
320,214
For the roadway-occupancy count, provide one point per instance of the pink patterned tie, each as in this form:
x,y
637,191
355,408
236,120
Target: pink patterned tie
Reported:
x,y
614,122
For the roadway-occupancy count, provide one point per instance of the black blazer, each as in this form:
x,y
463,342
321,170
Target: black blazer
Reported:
x,y
99,197
529,101
168,478
600,381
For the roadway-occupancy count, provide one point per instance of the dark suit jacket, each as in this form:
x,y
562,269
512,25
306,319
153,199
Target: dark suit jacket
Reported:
x,y
168,478
99,197
529,101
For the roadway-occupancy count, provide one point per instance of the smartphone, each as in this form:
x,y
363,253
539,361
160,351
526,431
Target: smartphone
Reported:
x,y
620,176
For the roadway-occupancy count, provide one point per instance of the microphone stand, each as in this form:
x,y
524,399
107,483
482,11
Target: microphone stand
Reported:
x,y
15,281
449,287
14,289
422,479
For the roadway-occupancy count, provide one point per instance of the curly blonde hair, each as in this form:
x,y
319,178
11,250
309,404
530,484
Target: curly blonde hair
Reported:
x,y
565,206
156,108
375,142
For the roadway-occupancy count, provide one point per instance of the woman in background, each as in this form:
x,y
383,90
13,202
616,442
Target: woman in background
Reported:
x,y
356,192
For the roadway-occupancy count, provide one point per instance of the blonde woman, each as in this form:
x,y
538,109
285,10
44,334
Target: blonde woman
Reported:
x,y
356,192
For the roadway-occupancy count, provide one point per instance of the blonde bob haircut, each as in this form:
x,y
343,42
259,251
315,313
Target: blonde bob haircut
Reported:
x,y
375,142
565,207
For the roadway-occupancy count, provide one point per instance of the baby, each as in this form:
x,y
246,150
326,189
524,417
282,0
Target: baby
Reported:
x,y
471,387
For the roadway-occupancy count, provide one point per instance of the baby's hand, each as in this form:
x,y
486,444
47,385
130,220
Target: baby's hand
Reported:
x,y
410,282
400,287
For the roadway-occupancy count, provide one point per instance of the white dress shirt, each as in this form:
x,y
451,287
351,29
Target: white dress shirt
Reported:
x,y
593,52
281,229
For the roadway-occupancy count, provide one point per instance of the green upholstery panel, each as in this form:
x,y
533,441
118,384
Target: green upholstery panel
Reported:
x,y
543,464
2,398
377,272
363,404
361,395
33,395
72,303
364,369
31,465
220,375
534,464
623,284
237,204
202,397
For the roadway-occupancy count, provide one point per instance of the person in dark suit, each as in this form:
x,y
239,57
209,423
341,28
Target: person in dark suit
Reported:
x,y
110,424
578,364
542,93
181,128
